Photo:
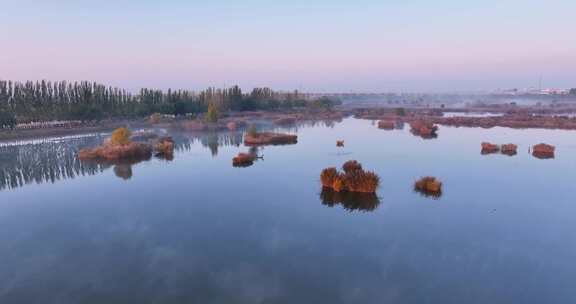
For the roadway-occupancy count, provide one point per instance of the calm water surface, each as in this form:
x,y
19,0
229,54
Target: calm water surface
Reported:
x,y
197,230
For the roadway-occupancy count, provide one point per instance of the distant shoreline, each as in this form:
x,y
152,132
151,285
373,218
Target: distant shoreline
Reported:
x,y
27,134
509,116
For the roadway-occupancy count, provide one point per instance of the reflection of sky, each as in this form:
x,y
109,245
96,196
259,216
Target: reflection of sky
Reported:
x,y
198,229
321,45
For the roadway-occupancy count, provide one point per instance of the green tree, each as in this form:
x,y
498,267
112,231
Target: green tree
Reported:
x,y
120,136
7,120
252,131
400,112
212,113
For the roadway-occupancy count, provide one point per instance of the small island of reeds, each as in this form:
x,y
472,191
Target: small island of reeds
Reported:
x,y
424,129
353,179
123,146
117,147
243,160
506,149
428,186
269,138
543,151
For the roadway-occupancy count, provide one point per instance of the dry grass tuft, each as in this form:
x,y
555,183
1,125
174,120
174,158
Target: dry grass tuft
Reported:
x,y
351,166
243,160
488,148
354,178
509,149
543,151
269,138
428,186
386,125
328,176
423,129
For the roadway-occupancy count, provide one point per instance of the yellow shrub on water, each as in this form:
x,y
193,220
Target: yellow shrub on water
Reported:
x,y
354,178
120,136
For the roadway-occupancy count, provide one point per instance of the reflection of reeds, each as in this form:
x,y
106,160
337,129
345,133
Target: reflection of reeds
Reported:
x,y
350,201
428,186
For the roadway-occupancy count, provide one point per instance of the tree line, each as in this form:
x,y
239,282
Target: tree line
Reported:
x,y
39,101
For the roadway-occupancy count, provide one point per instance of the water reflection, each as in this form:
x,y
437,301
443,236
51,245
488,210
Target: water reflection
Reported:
x,y
542,155
51,160
122,168
351,201
45,161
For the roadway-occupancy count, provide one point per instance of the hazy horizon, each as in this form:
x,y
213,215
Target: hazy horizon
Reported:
x,y
327,46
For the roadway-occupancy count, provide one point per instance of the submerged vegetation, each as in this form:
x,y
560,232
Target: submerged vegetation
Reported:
x,y
353,179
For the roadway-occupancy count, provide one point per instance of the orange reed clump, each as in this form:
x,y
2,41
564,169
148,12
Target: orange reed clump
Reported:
x,y
428,186
243,160
353,179
351,165
543,151
328,176
509,149
488,148
386,125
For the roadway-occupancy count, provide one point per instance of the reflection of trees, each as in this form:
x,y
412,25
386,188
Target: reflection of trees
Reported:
x,y
350,201
122,168
123,171
45,161
210,140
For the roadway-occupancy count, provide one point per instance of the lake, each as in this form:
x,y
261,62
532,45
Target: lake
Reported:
x,y
197,230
